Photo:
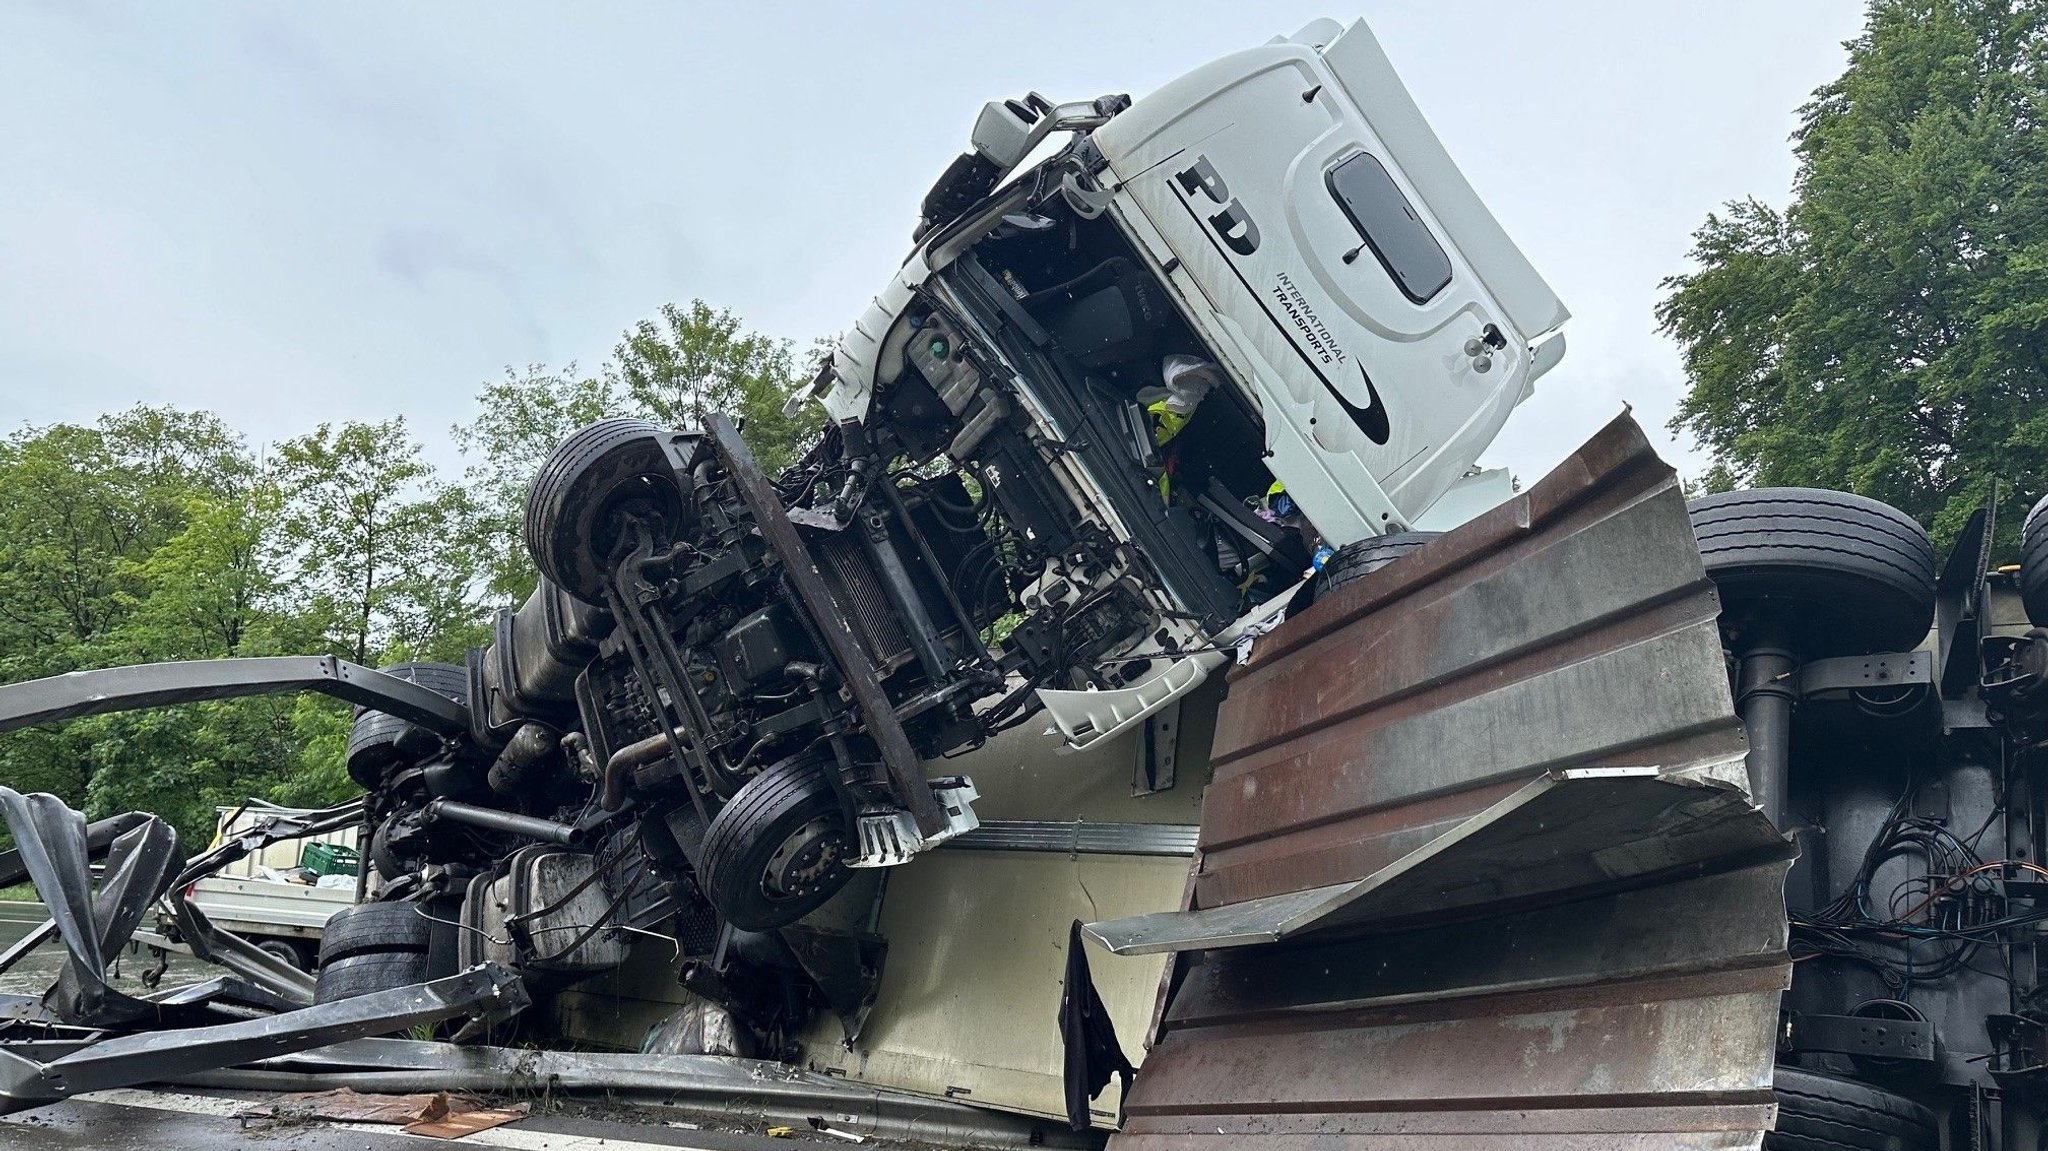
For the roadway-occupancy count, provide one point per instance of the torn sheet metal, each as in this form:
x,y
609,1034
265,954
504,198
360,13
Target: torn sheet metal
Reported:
x,y
54,849
29,1077
1571,829
1477,868
142,686
1638,1019
215,945
99,837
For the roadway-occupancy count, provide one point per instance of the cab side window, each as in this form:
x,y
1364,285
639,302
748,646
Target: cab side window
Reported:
x,y
1390,226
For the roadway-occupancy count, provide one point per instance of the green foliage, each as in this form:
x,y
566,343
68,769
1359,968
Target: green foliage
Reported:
x,y
82,504
691,362
201,591
135,540
1888,332
156,534
381,553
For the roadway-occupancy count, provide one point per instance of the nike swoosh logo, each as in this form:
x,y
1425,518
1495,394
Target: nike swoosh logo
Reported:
x,y
1372,418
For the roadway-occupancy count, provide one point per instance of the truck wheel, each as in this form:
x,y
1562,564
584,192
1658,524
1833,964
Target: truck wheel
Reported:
x,y
777,850
1823,1113
1359,557
2034,564
378,739
1848,574
369,928
289,952
575,511
363,974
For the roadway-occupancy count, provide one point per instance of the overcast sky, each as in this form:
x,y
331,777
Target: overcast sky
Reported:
x,y
290,213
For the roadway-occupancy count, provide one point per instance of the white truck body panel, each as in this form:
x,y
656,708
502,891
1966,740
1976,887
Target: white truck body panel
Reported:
x,y
263,907
1231,164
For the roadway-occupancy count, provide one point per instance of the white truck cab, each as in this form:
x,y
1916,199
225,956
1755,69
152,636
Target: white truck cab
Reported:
x,y
1250,318
1338,263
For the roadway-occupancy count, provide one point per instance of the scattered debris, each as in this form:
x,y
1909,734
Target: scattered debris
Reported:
x,y
345,1105
458,1124
819,1125
438,1114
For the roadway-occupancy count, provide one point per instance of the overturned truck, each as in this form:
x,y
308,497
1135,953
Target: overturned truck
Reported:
x,y
1086,441
1197,386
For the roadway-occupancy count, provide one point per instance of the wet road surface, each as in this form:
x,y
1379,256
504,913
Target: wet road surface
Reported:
x,y
34,974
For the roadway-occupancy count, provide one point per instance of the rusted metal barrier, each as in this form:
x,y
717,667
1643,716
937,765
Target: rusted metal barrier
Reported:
x,y
1478,868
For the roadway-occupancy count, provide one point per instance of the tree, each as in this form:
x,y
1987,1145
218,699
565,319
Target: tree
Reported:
x,y
133,540
379,551
1887,333
202,592
84,505
688,363
206,593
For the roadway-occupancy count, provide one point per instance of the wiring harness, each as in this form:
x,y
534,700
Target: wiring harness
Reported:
x,y
1932,924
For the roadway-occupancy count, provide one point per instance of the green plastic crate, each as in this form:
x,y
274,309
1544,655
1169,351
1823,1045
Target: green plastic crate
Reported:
x,y
330,859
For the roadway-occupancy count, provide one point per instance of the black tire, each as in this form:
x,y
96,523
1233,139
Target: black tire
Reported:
x,y
574,509
1847,574
368,928
2034,564
777,850
1360,557
377,739
285,950
1823,1113
364,974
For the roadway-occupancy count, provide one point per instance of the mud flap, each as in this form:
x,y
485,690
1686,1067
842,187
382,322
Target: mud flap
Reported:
x,y
1477,867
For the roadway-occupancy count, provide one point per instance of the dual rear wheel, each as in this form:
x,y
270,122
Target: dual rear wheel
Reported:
x,y
1833,574
372,947
1839,574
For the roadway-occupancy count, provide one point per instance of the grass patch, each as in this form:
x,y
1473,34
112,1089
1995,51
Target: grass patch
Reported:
x,y
19,893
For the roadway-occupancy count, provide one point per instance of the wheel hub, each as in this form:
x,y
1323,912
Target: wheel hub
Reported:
x,y
806,857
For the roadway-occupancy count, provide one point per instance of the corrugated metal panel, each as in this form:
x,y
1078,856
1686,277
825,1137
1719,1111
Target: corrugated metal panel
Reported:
x,y
1572,831
1497,789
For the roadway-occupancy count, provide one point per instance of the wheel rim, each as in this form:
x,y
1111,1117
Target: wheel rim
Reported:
x,y
804,859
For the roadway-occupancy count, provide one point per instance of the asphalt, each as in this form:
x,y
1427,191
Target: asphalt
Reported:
x,y
162,1120
34,974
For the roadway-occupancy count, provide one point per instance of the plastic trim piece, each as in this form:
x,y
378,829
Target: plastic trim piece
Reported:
x,y
1080,837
